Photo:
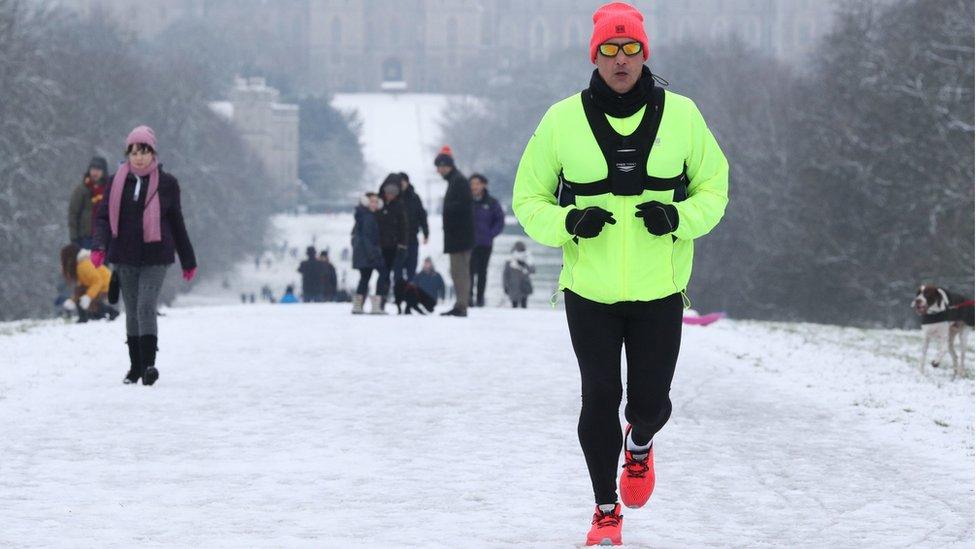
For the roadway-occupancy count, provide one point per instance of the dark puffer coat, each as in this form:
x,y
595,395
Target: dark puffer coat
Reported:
x,y
128,248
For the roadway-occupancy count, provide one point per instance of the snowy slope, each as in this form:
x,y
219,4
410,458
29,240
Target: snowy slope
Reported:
x,y
302,426
401,133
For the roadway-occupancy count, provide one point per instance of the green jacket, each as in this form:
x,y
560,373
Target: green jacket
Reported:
x,y
80,213
625,262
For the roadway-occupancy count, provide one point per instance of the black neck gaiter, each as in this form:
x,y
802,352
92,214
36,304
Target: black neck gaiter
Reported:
x,y
621,106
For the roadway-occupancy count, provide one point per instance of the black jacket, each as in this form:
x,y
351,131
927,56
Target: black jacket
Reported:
x,y
458,214
416,214
313,277
366,253
128,248
330,280
393,224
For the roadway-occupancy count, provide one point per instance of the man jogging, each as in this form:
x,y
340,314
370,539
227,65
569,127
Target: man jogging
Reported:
x,y
624,177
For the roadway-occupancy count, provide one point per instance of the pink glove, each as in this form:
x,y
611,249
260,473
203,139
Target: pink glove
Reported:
x,y
188,274
98,258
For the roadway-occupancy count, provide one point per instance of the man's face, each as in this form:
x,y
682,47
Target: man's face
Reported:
x,y
443,170
428,265
95,173
620,72
477,186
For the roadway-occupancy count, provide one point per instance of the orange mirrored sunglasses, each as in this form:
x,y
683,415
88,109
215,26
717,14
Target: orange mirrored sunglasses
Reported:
x,y
631,49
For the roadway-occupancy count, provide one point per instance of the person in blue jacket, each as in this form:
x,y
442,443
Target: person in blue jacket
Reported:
x,y
289,296
430,281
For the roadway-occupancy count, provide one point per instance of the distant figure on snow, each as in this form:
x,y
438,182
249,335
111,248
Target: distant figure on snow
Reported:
x,y
489,221
289,295
458,229
430,280
517,276
330,283
367,255
90,285
85,200
313,277
416,221
392,218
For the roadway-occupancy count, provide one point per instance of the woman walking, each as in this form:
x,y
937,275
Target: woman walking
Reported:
x,y
366,253
139,230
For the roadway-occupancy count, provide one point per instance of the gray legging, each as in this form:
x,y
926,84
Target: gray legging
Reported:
x,y
140,290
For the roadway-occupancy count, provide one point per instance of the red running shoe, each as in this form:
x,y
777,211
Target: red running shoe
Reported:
x,y
606,527
637,480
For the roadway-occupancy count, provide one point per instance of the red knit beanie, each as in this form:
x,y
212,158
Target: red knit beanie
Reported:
x,y
617,20
445,157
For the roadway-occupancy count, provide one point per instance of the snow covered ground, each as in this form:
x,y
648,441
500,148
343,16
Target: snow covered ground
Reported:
x,y
302,426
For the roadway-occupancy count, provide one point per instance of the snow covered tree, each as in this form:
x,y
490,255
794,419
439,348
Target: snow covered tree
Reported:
x,y
73,88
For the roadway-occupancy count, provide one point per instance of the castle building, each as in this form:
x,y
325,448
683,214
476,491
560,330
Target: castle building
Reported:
x,y
267,126
449,46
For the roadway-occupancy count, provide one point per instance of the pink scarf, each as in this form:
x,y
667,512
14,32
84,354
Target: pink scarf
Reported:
x,y
151,228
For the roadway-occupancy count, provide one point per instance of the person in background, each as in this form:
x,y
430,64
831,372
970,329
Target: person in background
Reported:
x,y
140,230
289,296
517,276
313,277
458,229
85,199
416,221
392,219
367,255
489,221
330,280
90,284
430,281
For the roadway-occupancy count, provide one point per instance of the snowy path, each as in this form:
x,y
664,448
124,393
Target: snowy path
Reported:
x,y
278,426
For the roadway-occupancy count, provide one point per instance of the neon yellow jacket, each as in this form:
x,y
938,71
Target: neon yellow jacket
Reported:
x,y
625,262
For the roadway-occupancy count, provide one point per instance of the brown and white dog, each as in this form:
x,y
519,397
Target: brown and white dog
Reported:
x,y
945,317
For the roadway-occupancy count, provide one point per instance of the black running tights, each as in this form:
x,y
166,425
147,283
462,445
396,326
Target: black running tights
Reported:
x,y
650,332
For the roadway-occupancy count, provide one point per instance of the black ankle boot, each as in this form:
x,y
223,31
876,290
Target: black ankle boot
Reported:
x,y
147,348
111,312
135,361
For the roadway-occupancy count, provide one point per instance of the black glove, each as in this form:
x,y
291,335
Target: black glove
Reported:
x,y
660,219
588,223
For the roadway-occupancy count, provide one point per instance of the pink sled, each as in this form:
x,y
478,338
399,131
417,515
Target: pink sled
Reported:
x,y
703,320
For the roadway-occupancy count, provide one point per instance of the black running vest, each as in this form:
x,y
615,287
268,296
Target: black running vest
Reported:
x,y
626,156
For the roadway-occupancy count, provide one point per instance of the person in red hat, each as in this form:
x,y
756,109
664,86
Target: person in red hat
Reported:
x,y
623,176
458,229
